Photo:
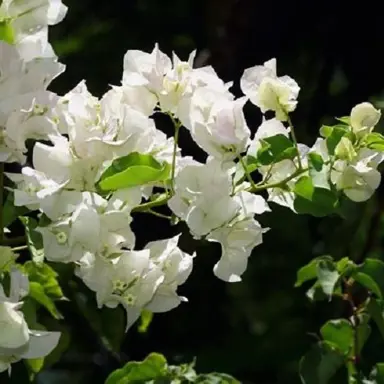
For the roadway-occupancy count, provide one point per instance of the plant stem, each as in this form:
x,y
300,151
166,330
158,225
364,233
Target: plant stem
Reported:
x,y
158,214
247,174
20,248
177,126
279,184
2,202
151,204
293,135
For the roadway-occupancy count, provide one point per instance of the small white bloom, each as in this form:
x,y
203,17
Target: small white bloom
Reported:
x,y
364,117
268,91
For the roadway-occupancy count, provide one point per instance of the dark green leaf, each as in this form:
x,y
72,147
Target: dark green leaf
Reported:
x,y
363,331
10,212
320,364
133,170
373,268
276,148
339,333
367,282
309,271
374,308
312,200
377,374
315,161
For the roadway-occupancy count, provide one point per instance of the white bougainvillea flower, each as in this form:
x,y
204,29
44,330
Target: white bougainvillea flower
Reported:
x,y
16,340
268,91
360,178
146,69
220,130
176,266
364,118
237,241
28,23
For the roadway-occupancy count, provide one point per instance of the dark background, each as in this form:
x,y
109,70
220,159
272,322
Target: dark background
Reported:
x,y
258,329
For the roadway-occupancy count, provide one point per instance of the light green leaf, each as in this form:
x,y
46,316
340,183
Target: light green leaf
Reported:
x,y
375,309
6,32
34,366
276,148
367,282
36,291
34,239
327,276
320,364
7,258
339,333
345,119
133,170
153,367
334,138
145,320
216,378
375,141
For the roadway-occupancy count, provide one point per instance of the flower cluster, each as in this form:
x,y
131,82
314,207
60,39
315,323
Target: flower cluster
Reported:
x,y
102,159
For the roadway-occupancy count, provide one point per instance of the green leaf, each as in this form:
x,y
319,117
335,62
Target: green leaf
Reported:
x,y
309,271
363,331
133,170
327,276
153,367
373,268
34,239
334,138
313,200
375,141
216,378
367,282
315,161
374,308
320,364
377,374
7,258
276,148
326,130
34,366
145,320
345,119
6,32
339,333
36,291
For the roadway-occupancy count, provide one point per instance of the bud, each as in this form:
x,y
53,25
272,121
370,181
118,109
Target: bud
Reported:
x,y
364,117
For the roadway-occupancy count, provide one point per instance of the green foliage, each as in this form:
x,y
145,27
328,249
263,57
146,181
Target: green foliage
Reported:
x,y
133,170
6,32
154,369
320,364
339,333
34,239
43,286
145,320
276,148
375,141
313,200
334,135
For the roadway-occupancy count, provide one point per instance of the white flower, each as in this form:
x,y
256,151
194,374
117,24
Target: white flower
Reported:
x,y
16,340
237,241
220,128
146,69
268,91
176,266
364,117
360,178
